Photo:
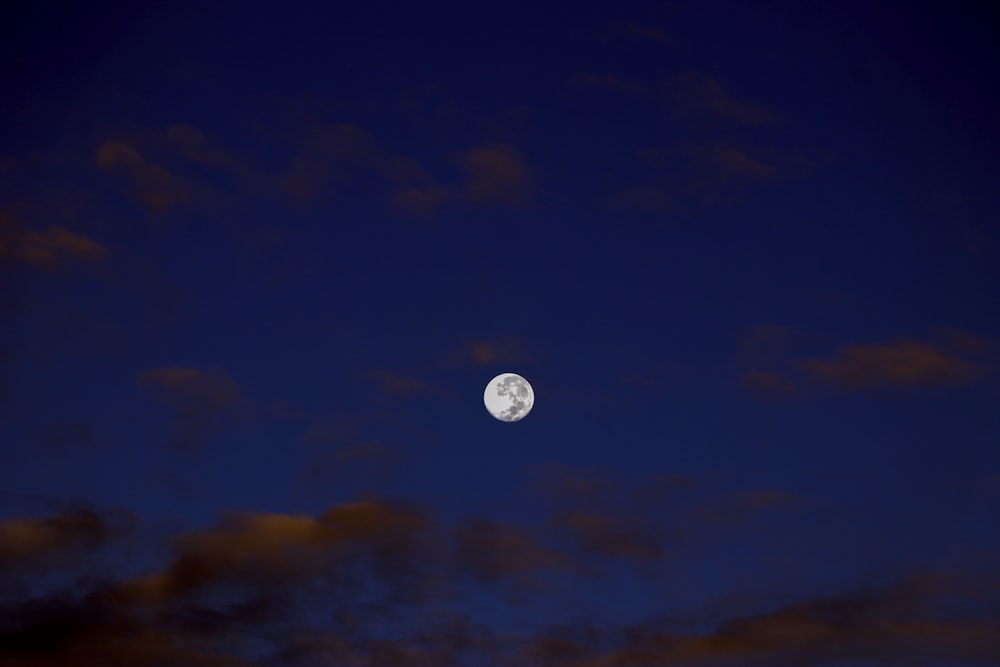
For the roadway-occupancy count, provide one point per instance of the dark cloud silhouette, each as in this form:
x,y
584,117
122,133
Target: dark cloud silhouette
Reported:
x,y
287,589
63,540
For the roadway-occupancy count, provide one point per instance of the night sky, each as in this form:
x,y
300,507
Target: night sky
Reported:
x,y
258,261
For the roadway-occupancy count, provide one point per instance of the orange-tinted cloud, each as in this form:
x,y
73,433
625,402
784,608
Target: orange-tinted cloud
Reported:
x,y
415,191
390,382
689,177
493,551
609,82
269,549
979,241
766,344
153,185
198,398
647,32
613,535
361,566
487,352
421,202
769,383
498,175
903,363
213,389
722,161
54,248
745,506
329,155
194,145
699,95
60,540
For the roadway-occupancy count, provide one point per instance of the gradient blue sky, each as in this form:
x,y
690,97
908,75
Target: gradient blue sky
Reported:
x,y
258,261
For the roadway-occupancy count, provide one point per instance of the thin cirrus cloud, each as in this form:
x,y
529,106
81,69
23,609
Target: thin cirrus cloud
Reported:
x,y
693,176
610,83
769,383
898,364
498,174
180,165
393,383
491,351
198,399
54,248
152,185
776,368
694,94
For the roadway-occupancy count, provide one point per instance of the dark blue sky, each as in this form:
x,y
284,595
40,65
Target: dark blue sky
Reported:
x,y
258,261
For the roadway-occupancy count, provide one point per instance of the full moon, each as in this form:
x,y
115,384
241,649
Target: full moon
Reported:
x,y
509,397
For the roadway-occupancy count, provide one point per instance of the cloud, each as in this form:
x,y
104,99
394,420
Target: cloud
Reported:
x,y
613,535
54,248
745,506
329,154
605,519
899,364
197,398
377,582
152,185
62,540
498,175
697,95
764,344
688,177
390,382
978,240
342,546
609,83
492,551
71,433
198,147
369,451
769,383
415,191
421,202
646,32
491,351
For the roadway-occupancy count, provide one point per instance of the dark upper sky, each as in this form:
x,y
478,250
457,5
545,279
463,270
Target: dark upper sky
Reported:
x,y
259,260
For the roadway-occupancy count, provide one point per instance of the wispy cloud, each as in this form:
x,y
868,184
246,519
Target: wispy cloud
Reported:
x,y
391,382
769,383
609,82
689,177
154,186
197,398
698,95
491,351
498,174
53,248
901,363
